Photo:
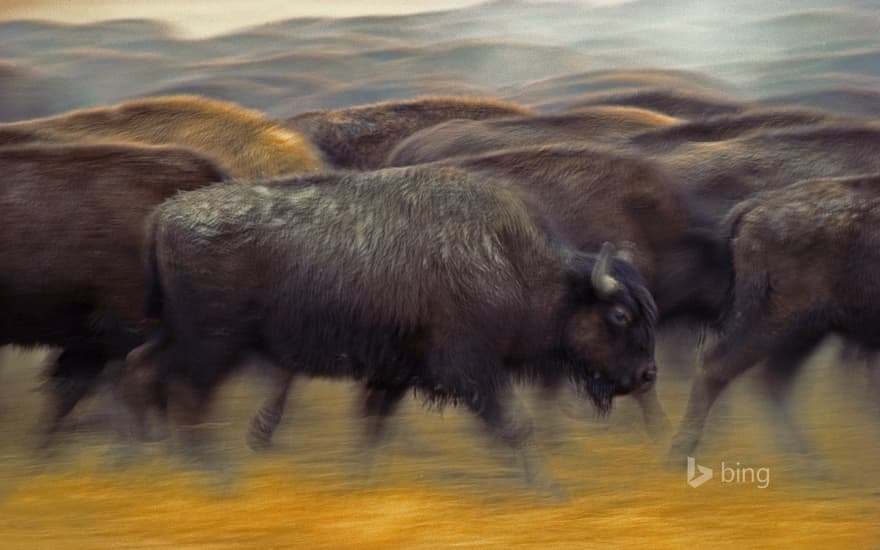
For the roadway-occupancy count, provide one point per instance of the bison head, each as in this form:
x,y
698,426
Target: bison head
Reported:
x,y
609,331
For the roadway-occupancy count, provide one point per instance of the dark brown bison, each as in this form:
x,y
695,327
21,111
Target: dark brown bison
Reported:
x,y
70,250
244,142
803,269
727,126
469,137
721,174
595,195
362,137
422,278
676,103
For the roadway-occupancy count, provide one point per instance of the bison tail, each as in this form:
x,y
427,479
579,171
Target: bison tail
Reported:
x,y
153,299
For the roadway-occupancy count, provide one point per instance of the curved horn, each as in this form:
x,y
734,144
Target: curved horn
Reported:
x,y
602,281
627,251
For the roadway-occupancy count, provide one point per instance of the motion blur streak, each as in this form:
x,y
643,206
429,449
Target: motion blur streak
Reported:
x,y
436,484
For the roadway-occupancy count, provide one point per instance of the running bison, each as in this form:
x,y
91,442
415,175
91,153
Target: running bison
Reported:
x,y
595,195
424,278
723,173
244,142
805,259
70,250
728,126
468,137
362,137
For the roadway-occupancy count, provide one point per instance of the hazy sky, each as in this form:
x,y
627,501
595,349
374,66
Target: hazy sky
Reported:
x,y
204,17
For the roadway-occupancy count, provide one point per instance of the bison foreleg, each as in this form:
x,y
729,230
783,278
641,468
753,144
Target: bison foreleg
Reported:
x,y
656,421
730,357
270,413
379,404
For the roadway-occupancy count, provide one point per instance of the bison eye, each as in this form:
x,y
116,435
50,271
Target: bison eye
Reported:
x,y
620,316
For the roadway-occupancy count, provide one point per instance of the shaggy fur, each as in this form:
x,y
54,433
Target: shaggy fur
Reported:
x,y
804,268
466,137
70,250
243,142
423,278
362,137
595,195
721,174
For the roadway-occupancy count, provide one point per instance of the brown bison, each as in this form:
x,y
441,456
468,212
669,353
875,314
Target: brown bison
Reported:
x,y
721,174
676,103
243,142
70,250
425,279
469,137
803,269
362,137
595,195
727,126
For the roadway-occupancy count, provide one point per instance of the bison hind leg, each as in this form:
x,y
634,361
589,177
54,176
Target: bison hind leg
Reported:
x,y
779,374
74,375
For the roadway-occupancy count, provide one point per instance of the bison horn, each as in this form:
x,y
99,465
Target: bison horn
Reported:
x,y
627,251
602,281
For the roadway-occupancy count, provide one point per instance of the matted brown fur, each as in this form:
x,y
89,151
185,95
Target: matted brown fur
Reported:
x,y
604,124
722,173
362,137
423,277
73,226
71,251
244,142
595,194
805,264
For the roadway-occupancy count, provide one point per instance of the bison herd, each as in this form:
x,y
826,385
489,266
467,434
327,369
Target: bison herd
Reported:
x,y
446,246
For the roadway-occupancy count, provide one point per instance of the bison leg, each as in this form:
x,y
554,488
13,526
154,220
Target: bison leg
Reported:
x,y
190,371
269,415
779,374
74,375
656,421
730,357
380,403
139,386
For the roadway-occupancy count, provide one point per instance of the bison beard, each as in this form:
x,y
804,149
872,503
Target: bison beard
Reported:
x,y
598,390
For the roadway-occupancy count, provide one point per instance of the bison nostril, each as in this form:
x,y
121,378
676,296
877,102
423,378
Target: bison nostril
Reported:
x,y
649,375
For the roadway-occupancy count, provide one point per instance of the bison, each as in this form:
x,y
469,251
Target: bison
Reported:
x,y
422,278
692,104
362,137
723,173
595,195
70,250
803,269
243,142
468,137
727,126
